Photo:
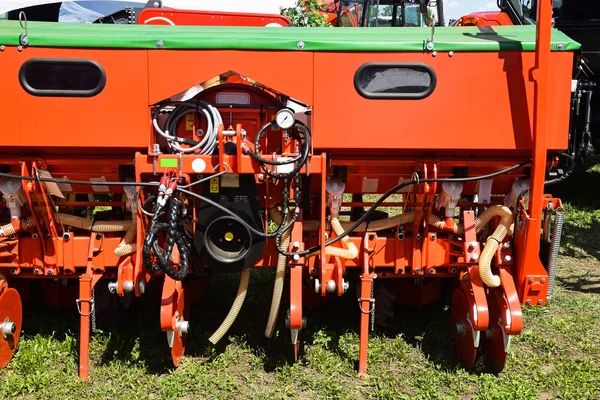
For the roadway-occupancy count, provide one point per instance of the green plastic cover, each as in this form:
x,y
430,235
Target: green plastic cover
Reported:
x,y
48,34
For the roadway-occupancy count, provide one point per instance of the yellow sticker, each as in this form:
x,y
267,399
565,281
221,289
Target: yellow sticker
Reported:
x,y
230,181
275,127
189,122
214,185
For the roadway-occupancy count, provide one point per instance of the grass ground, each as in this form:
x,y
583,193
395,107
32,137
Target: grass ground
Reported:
x,y
556,356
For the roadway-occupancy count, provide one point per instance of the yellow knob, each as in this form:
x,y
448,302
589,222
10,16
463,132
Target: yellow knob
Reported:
x,y
229,236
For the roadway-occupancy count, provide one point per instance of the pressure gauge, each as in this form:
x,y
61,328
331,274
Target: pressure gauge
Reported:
x,y
285,118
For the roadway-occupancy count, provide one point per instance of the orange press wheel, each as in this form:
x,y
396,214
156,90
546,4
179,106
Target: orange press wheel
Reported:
x,y
180,334
494,345
11,318
463,332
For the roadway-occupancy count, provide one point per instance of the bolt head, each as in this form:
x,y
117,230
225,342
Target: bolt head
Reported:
x,y
20,48
543,280
296,245
506,245
418,270
128,286
434,53
453,270
450,53
331,286
474,257
24,40
1,47
560,46
429,46
142,287
530,280
528,302
401,236
160,44
432,237
13,271
36,271
317,286
540,302
507,258
431,271
50,272
296,257
300,45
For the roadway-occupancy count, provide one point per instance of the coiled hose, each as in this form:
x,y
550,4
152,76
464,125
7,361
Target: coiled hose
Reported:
x,y
73,221
128,245
176,234
492,242
235,308
279,275
210,139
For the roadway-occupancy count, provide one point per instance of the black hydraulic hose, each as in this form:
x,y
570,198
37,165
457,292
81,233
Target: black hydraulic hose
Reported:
x,y
176,234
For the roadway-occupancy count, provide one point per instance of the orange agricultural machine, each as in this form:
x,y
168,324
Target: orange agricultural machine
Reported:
x,y
216,149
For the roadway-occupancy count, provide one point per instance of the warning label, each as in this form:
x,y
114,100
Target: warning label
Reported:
x,y
214,185
189,122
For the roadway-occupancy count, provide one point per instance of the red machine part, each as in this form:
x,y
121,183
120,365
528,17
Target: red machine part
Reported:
x,y
11,317
484,19
161,16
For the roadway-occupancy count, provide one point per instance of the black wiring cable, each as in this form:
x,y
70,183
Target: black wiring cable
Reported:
x,y
554,181
364,217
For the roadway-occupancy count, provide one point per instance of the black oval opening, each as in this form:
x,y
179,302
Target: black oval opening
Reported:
x,y
395,81
62,77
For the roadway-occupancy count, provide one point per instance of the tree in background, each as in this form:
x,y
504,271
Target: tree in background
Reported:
x,y
307,13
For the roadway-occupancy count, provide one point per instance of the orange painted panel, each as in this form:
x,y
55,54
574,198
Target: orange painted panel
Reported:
x,y
116,117
175,71
481,101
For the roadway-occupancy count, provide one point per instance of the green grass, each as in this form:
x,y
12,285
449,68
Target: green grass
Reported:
x,y
556,356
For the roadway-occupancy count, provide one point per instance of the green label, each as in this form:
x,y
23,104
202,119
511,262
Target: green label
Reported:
x,y
168,162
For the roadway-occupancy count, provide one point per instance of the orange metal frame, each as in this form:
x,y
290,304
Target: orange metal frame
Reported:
x,y
102,134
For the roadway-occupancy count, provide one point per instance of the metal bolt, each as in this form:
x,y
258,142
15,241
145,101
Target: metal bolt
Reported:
x,y
550,205
539,302
66,236
317,286
418,271
36,271
459,328
530,280
453,270
450,53
13,237
160,44
431,271
34,236
24,40
331,286
128,286
1,47
20,48
142,287
13,271
261,177
432,237
434,53
156,4
429,46
112,287
506,245
345,285
300,45
401,236
8,328
560,46
418,236
296,245
326,235
474,257
528,302
543,280
50,272
183,326
507,258
296,257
